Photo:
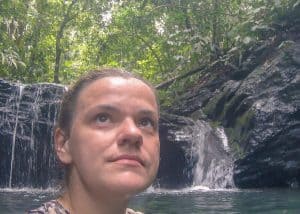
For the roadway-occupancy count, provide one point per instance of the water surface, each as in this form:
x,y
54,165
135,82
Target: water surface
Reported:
x,y
188,201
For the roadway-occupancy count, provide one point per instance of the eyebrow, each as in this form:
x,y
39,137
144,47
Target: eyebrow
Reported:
x,y
107,108
148,112
112,108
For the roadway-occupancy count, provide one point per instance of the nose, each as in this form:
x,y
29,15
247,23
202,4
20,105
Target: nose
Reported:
x,y
130,133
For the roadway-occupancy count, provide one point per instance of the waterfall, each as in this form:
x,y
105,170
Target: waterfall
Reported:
x,y
14,136
27,115
213,167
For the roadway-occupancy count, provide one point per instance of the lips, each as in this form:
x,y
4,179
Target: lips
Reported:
x,y
128,159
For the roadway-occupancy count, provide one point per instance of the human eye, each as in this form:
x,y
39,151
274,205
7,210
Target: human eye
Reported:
x,y
103,118
147,122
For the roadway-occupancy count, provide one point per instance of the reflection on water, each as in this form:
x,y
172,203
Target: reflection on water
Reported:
x,y
191,201
16,201
199,200
220,201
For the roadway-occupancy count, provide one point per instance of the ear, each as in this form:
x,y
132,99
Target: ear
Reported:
x,y
62,147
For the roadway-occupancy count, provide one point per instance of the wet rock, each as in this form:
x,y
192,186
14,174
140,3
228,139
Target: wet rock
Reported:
x,y
259,107
27,115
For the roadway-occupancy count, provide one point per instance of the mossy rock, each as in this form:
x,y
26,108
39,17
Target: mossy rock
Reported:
x,y
239,134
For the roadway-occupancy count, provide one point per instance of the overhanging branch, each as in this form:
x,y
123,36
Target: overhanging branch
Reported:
x,y
167,83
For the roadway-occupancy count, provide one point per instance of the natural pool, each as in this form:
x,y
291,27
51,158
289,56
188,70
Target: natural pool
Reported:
x,y
188,201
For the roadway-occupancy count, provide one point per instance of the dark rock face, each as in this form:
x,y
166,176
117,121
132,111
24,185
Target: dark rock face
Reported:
x,y
175,164
260,111
27,115
271,106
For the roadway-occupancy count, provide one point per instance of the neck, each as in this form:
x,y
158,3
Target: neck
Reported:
x,y
78,200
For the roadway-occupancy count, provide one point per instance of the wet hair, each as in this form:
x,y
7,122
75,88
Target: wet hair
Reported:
x,y
69,101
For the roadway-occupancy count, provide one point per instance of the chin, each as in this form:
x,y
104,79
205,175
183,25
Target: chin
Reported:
x,y
132,185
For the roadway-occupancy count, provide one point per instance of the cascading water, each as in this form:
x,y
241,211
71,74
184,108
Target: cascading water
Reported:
x,y
214,167
208,152
27,115
14,136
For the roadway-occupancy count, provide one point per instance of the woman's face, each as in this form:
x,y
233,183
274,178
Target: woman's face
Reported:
x,y
114,144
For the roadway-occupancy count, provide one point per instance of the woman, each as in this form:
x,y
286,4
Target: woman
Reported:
x,y
107,137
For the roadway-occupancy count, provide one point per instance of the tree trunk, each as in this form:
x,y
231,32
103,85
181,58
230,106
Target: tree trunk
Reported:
x,y
58,53
35,39
59,36
215,48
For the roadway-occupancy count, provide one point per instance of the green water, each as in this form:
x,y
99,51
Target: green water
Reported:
x,y
188,201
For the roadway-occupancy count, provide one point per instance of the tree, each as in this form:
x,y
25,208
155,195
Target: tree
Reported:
x,y
67,17
57,40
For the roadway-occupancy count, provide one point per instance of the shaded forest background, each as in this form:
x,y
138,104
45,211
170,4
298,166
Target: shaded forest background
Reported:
x,y
57,40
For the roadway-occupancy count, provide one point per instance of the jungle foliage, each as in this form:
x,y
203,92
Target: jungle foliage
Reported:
x,y
57,40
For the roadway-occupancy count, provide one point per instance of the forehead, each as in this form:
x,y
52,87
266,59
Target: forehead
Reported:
x,y
113,83
119,87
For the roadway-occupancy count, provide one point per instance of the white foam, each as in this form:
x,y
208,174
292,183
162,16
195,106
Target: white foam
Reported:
x,y
198,188
30,190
